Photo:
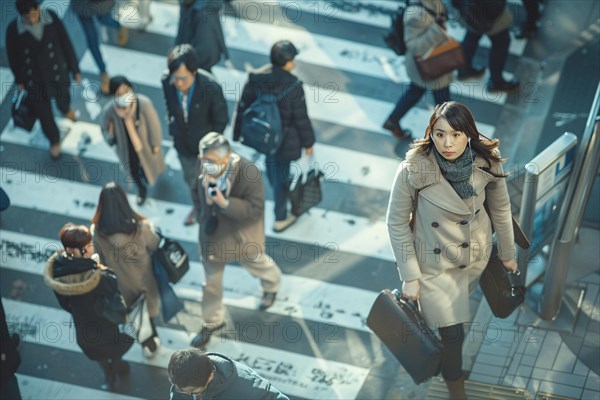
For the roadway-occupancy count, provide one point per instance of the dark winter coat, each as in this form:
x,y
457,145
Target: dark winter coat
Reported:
x,y
234,381
42,66
297,128
79,285
207,113
200,26
92,8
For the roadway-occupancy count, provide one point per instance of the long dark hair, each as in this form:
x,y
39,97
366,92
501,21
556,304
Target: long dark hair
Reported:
x,y
114,214
460,118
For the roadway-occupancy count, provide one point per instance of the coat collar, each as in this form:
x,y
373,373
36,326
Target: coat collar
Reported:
x,y
424,174
72,284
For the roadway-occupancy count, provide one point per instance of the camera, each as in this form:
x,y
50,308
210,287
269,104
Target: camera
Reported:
x,y
212,188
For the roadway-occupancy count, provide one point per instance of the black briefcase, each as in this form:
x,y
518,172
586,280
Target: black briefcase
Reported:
x,y
173,258
400,326
504,290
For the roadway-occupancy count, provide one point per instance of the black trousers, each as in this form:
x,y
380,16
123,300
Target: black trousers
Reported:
x,y
498,52
42,107
453,337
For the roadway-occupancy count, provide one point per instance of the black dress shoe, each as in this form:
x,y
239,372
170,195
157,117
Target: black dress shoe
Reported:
x,y
141,198
202,338
121,367
267,300
470,72
502,86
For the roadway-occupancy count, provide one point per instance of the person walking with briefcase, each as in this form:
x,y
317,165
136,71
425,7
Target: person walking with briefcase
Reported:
x,y
444,182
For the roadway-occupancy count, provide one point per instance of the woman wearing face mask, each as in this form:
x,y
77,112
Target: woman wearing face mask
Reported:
x,y
131,123
449,174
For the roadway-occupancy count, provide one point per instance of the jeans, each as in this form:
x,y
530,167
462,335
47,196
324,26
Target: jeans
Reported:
x,y
92,38
498,53
278,172
412,95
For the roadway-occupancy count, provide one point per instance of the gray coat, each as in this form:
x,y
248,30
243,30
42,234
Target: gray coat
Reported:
x,y
421,34
446,252
240,234
129,256
149,131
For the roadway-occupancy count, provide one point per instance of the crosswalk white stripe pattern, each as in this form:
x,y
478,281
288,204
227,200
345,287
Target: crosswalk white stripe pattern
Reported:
x,y
330,52
32,387
6,82
290,372
342,232
302,297
323,103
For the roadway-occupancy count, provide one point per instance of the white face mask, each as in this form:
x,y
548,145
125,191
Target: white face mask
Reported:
x,y
212,168
124,101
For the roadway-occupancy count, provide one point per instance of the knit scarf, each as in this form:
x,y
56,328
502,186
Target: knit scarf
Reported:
x,y
458,173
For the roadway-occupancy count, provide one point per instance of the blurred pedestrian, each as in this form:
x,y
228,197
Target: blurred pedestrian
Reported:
x,y
446,177
10,359
125,240
229,198
195,106
275,78
42,59
87,12
200,26
424,30
529,27
195,374
85,288
494,19
131,123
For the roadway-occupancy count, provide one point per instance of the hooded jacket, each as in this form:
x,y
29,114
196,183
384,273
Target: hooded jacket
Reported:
x,y
296,125
232,381
79,285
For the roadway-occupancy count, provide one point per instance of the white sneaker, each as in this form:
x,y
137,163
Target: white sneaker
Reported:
x,y
280,226
150,354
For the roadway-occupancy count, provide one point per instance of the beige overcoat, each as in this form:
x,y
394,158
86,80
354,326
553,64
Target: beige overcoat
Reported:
x,y
446,252
129,256
149,131
421,34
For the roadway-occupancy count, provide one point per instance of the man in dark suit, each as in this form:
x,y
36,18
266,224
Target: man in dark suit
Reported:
x,y
195,106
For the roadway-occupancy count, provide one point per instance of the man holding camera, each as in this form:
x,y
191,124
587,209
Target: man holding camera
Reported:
x,y
229,201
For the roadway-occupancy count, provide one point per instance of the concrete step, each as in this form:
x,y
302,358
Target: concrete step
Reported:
x,y
550,396
478,390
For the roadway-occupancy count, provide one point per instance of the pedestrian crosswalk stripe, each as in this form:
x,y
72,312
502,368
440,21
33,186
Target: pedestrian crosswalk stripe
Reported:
x,y
6,82
323,103
292,373
306,298
325,51
366,12
337,163
326,228
32,387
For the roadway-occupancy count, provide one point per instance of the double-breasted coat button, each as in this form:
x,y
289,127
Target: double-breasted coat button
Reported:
x,y
435,224
55,67
464,245
49,45
26,51
463,266
51,54
437,251
28,72
57,77
464,222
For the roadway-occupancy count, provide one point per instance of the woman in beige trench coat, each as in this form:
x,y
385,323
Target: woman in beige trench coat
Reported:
x,y
125,240
455,169
131,123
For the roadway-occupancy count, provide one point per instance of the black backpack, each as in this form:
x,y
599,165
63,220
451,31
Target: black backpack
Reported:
x,y
260,125
394,39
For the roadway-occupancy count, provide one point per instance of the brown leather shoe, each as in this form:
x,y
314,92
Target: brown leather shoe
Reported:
x,y
105,84
55,151
267,300
191,218
71,115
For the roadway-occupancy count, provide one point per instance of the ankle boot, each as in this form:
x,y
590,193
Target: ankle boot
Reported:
x,y
105,84
456,389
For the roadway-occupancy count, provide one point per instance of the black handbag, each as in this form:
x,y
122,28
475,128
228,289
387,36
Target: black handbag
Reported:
x,y
173,258
306,194
400,326
22,113
503,289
